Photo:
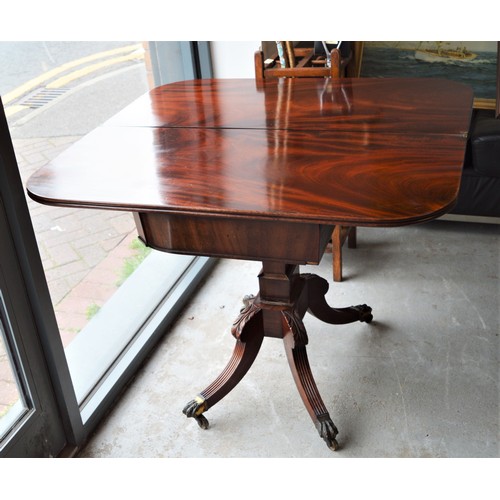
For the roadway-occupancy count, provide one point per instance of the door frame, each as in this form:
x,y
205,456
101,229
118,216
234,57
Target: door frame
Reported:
x,y
25,295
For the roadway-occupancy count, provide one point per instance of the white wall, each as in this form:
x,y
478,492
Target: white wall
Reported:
x,y
233,59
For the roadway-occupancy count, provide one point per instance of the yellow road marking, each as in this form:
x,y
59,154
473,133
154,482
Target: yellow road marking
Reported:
x,y
37,81
12,110
64,80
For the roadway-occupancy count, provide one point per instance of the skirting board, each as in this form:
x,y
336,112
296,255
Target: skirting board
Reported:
x,y
471,218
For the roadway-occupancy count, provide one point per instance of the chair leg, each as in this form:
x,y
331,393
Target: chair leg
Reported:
x,y
339,235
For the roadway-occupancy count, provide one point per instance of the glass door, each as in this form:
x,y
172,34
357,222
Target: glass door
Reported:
x,y
27,407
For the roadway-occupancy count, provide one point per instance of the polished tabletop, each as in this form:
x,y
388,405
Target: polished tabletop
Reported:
x,y
353,151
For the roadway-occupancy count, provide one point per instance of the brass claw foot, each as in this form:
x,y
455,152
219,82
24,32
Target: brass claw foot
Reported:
x,y
249,334
327,431
194,409
365,313
317,288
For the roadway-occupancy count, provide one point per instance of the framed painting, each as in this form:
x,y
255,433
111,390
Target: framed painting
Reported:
x,y
473,63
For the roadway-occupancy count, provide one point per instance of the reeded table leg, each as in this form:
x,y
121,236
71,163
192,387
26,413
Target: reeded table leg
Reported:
x,y
295,341
285,296
249,335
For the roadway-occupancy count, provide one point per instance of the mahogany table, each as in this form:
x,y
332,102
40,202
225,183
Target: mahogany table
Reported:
x,y
263,171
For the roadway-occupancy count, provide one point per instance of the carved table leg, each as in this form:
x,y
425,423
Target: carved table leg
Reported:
x,y
249,335
285,296
295,341
317,305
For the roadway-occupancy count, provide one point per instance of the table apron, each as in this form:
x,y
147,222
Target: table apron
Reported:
x,y
238,238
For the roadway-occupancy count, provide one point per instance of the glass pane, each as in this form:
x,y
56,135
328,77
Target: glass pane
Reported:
x,y
12,405
54,93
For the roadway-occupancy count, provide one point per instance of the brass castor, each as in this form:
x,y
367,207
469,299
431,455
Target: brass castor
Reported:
x,y
333,445
328,432
194,409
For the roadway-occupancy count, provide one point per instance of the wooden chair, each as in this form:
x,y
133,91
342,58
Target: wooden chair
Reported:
x,y
304,63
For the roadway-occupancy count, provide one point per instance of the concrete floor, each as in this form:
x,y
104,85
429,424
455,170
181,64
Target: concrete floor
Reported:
x,y
422,380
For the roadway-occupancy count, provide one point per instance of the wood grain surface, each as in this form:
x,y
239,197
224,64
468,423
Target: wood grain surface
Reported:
x,y
359,152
